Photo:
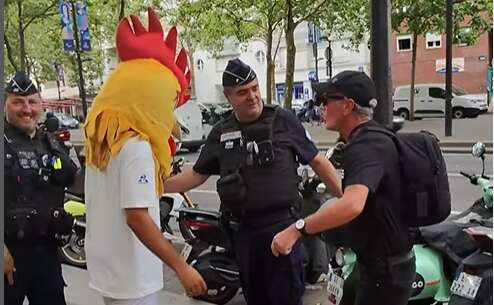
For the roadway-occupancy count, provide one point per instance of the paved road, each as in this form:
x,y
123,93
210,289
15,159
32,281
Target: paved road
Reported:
x,y
462,192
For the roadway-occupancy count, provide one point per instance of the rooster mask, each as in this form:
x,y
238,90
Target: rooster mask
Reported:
x,y
139,97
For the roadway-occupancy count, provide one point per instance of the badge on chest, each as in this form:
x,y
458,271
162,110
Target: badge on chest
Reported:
x,y
231,139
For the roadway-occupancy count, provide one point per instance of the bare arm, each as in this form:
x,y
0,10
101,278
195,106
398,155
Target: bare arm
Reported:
x,y
145,229
326,171
185,181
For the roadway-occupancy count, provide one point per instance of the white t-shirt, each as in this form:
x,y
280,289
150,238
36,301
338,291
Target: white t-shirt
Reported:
x,y
119,265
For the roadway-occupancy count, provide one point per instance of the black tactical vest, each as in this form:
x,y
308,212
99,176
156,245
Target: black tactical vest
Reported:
x,y
30,193
266,165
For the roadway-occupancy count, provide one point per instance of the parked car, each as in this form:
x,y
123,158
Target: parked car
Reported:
x,y
66,121
430,102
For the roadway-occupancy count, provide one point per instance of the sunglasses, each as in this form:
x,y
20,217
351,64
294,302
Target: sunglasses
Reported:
x,y
324,100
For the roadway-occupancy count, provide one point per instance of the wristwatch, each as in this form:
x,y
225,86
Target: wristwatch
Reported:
x,y
300,226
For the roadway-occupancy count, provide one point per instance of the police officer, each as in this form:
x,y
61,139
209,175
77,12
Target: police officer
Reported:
x,y
256,151
36,172
370,216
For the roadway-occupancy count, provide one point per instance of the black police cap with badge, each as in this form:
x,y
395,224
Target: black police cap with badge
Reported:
x,y
20,84
352,84
237,73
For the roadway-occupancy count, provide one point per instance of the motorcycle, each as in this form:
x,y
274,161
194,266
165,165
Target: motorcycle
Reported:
x,y
439,250
210,250
72,248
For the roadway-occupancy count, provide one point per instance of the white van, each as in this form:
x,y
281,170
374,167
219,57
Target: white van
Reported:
x,y
430,102
193,134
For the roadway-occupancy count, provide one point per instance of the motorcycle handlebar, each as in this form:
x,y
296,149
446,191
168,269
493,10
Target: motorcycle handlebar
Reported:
x,y
466,175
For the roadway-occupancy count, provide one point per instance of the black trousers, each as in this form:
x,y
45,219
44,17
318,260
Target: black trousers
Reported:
x,y
385,284
266,279
38,276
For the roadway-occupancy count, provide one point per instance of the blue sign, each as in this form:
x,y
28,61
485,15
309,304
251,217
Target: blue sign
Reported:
x,y
314,33
66,23
83,26
312,75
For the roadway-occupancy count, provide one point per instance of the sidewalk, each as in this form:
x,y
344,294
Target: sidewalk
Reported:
x,y
79,293
465,132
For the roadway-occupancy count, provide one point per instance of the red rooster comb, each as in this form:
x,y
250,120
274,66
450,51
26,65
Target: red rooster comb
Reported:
x,y
135,42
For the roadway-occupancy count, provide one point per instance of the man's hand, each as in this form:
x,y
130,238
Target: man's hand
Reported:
x,y
192,281
8,266
284,241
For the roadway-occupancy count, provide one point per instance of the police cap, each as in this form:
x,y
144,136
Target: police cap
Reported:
x,y
20,84
237,73
352,84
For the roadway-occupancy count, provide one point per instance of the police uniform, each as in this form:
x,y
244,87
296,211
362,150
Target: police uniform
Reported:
x,y
379,235
257,163
36,173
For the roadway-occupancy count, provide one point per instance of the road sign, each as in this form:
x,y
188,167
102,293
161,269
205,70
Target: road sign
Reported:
x,y
312,75
66,23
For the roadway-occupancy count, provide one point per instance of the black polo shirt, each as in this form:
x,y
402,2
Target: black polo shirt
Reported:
x,y
371,159
286,129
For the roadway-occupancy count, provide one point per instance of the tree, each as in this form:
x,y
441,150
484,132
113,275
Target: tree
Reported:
x,y
419,17
19,17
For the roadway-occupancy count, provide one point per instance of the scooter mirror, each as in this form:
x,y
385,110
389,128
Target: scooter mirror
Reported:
x,y
478,150
321,188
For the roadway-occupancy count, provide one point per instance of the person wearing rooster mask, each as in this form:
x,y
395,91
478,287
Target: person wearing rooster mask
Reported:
x,y
128,157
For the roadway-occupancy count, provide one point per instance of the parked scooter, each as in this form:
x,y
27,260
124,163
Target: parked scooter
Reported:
x,y
211,252
472,283
439,250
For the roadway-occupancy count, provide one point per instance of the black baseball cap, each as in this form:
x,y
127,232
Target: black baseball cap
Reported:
x,y
237,73
352,84
20,84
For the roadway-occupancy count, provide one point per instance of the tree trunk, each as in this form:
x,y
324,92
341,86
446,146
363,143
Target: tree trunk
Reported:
x,y
273,83
412,82
190,53
121,13
270,65
290,55
22,42
10,57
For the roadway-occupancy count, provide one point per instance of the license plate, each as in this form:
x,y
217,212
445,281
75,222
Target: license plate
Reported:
x,y
186,251
334,288
466,285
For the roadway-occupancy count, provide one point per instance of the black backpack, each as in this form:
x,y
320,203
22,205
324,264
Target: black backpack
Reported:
x,y
426,185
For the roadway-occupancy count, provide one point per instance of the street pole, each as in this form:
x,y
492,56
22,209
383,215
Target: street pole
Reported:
x,y
380,59
58,80
79,61
449,76
314,51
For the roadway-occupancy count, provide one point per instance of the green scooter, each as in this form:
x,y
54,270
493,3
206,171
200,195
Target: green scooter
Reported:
x,y
436,260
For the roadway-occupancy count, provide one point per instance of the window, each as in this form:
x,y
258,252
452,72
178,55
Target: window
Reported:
x,y
404,43
260,57
432,40
437,92
200,64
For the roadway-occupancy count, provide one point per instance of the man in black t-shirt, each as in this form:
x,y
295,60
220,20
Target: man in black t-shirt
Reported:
x,y
256,151
369,217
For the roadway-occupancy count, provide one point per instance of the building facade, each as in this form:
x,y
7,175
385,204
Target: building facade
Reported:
x,y
470,63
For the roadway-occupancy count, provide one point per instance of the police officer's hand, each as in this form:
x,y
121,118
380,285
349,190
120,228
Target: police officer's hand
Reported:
x,y
192,281
284,241
8,266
